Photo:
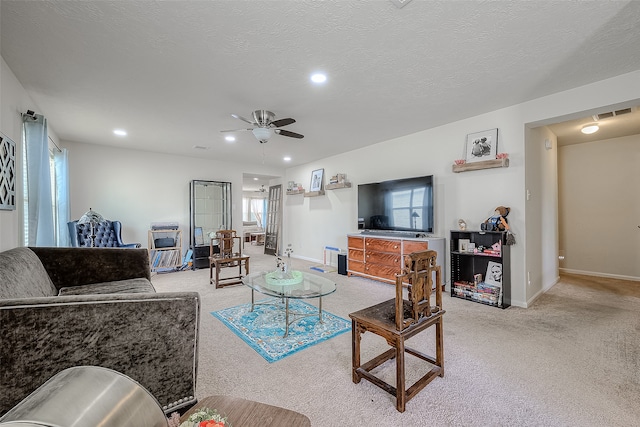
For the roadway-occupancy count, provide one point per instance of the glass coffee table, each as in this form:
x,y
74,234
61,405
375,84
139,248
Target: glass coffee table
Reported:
x,y
282,287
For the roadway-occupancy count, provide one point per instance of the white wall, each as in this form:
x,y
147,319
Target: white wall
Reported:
x,y
472,196
541,184
134,187
131,188
138,188
13,99
312,223
600,207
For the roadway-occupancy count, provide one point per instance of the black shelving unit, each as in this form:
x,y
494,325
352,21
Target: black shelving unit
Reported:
x,y
467,264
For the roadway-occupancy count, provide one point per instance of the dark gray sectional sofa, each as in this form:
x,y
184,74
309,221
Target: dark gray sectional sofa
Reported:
x,y
64,307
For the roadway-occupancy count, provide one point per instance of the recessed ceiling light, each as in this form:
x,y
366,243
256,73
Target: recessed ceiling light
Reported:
x,y
120,132
255,179
230,138
318,78
287,159
589,129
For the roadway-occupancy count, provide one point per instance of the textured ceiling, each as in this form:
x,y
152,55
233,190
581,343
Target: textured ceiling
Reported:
x,y
173,72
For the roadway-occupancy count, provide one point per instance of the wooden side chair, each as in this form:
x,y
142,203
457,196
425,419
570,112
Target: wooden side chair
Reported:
x,y
227,244
399,319
228,255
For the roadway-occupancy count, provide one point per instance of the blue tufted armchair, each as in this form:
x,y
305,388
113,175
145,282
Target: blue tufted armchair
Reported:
x,y
108,235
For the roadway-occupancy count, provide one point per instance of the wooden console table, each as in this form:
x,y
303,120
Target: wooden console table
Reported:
x,y
247,413
379,257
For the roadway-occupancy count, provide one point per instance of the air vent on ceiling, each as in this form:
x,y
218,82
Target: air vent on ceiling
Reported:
x,y
606,115
200,147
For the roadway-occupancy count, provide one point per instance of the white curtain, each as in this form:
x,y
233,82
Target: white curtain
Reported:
x,y
257,208
40,209
63,211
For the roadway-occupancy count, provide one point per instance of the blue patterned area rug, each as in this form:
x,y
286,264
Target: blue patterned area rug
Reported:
x,y
263,329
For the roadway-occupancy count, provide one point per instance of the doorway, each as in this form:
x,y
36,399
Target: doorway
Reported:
x,y
256,211
576,175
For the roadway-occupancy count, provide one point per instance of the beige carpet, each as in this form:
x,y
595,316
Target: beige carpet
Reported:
x,y
573,359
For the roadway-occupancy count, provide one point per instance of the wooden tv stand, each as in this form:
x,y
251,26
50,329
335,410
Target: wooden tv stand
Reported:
x,y
379,257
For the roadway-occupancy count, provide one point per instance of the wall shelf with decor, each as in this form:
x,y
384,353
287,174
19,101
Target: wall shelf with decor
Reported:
x,y
337,185
337,181
294,192
481,267
165,249
484,164
314,193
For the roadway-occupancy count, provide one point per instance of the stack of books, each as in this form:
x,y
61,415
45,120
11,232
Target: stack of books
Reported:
x,y
481,292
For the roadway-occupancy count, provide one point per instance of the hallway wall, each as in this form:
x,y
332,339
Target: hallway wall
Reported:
x,y
599,209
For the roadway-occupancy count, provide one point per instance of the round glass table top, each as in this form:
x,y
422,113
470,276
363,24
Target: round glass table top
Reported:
x,y
305,285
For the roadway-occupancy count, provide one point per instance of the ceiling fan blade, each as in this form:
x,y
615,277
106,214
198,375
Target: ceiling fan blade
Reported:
x,y
288,133
236,130
282,122
235,116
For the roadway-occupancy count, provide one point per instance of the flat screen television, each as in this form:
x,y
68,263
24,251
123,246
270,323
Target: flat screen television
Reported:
x,y
397,205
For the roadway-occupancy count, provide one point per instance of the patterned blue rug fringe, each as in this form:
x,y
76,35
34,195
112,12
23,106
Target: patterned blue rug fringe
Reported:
x,y
263,329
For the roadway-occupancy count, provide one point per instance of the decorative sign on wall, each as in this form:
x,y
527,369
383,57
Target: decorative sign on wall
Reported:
x,y
7,174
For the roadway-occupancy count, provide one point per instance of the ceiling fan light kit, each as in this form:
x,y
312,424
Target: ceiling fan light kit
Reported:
x,y
266,126
262,134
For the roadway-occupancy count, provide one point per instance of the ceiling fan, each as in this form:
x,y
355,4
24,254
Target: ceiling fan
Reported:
x,y
265,126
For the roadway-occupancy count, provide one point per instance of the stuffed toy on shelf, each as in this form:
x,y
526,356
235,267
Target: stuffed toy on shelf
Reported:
x,y
499,222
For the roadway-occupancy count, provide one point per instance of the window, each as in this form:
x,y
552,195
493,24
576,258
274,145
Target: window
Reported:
x,y
253,209
407,206
59,210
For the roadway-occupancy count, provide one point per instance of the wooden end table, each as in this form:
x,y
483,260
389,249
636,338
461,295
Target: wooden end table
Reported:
x,y
248,413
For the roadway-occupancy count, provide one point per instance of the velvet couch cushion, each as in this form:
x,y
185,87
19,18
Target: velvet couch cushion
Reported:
x,y
129,286
22,275
150,337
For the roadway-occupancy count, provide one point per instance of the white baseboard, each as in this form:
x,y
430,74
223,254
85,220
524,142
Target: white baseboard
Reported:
x,y
594,273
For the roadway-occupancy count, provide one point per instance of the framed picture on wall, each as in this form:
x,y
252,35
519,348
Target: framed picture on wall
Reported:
x,y
481,146
316,180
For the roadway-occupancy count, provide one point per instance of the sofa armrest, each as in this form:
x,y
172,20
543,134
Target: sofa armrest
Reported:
x,y
152,338
83,266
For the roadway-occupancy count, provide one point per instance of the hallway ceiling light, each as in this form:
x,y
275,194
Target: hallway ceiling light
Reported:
x,y
589,129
